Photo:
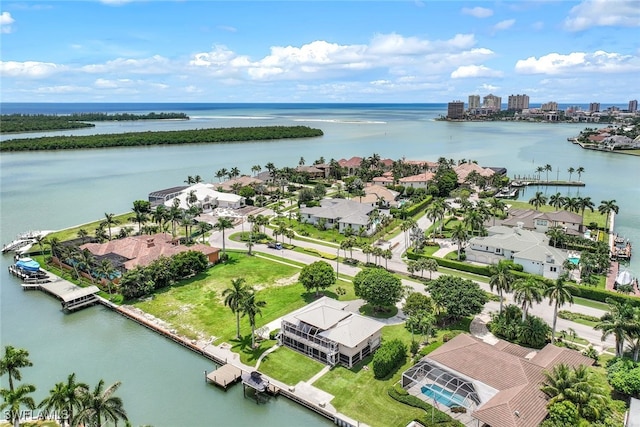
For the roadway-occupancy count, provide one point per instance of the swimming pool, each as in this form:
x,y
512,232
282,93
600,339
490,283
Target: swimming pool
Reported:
x,y
442,395
574,260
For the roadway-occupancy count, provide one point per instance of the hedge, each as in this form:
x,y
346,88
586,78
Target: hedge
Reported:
x,y
324,255
570,315
439,418
388,357
419,207
602,295
456,265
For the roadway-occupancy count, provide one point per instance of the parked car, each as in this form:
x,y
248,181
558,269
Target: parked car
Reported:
x,y
274,245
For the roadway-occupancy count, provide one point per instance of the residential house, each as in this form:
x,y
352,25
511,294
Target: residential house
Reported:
x,y
232,184
324,330
464,169
499,384
312,171
340,213
207,198
130,252
530,219
525,247
385,179
379,196
422,180
159,197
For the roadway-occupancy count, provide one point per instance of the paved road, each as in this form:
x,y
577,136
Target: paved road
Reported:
x,y
543,310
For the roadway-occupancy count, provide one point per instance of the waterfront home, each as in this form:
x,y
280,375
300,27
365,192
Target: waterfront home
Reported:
x,y
312,171
340,214
130,252
159,197
384,179
464,169
207,198
498,384
232,184
530,219
421,180
325,331
525,247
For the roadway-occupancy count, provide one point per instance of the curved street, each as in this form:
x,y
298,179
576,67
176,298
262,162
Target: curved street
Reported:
x,y
396,264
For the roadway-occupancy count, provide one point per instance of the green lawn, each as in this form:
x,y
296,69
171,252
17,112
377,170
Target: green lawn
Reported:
x,y
590,303
72,232
289,366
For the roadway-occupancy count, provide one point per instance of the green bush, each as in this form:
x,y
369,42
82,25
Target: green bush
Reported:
x,y
601,295
388,358
456,265
570,315
273,334
439,418
324,255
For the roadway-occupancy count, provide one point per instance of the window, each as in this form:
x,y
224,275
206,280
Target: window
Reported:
x,y
553,269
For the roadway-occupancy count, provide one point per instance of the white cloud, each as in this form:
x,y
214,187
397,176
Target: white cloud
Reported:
x,y
115,2
5,22
62,89
29,69
489,88
603,13
227,28
153,65
478,12
467,71
579,62
504,25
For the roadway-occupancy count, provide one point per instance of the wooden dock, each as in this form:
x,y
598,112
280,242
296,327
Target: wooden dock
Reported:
x,y
225,376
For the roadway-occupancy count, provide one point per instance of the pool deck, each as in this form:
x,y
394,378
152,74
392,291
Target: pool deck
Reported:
x,y
465,418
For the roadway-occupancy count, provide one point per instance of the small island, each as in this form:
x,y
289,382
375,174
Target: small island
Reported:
x,y
623,139
135,139
17,123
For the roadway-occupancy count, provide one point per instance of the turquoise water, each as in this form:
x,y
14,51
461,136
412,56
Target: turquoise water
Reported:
x,y
443,396
574,260
163,384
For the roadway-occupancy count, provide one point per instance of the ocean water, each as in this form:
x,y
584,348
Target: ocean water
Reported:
x,y
163,384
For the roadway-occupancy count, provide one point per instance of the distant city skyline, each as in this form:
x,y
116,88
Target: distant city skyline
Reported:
x,y
346,52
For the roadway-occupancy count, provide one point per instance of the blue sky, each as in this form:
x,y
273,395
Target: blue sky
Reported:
x,y
319,51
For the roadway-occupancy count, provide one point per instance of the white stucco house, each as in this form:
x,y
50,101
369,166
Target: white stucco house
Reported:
x,y
422,180
531,219
324,330
207,198
345,213
525,247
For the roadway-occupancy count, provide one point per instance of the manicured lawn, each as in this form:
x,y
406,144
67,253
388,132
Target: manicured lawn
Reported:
x,y
361,396
590,303
289,366
72,233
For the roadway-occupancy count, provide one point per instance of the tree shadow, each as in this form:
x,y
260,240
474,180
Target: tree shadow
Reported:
x,y
243,345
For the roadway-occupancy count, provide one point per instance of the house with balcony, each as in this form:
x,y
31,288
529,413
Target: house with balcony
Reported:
x,y
541,222
325,331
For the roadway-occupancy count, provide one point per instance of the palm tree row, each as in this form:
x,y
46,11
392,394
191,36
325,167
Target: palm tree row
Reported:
x,y
241,299
548,168
74,403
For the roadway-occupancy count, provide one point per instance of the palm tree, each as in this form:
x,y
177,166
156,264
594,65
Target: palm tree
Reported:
x,y
106,271
11,362
250,308
430,265
606,207
559,293
459,235
256,169
585,203
222,225
64,398
497,206
86,259
100,404
501,279
558,383
538,200
548,169
82,234
539,169
580,171
572,204
571,170
619,322
233,298
109,220
405,226
203,227
556,200
474,219
55,246
526,292
14,399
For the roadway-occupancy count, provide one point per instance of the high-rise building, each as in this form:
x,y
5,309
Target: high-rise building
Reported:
x,y
633,105
518,102
549,106
492,102
474,101
455,110
594,107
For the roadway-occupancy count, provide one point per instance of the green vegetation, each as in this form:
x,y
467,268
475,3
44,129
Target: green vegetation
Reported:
x,y
13,123
589,216
137,139
289,366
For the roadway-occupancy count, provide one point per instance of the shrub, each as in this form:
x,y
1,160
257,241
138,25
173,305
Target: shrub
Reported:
x,y
274,334
388,358
570,315
439,418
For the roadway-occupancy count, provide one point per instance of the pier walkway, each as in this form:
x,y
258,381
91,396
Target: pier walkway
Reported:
x,y
72,296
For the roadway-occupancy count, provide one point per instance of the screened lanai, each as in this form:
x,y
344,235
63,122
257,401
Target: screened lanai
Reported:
x,y
431,382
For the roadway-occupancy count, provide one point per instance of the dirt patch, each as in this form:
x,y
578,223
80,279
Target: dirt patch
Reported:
x,y
285,281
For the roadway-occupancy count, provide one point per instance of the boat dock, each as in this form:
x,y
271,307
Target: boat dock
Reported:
x,y
72,296
225,376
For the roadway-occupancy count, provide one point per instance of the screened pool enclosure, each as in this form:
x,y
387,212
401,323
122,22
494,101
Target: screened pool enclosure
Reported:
x,y
430,382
